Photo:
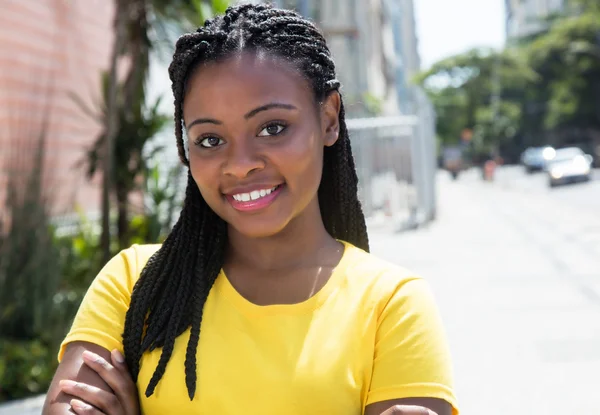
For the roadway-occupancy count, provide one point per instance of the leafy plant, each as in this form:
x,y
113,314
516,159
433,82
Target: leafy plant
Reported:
x,y
26,368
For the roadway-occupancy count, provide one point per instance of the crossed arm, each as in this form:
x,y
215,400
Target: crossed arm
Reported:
x,y
103,387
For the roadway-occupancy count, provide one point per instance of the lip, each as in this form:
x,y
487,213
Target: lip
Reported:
x,y
254,205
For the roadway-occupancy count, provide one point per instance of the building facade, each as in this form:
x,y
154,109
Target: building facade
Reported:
x,y
361,38
525,17
51,59
406,46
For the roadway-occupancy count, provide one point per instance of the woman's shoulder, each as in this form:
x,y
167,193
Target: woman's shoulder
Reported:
x,y
126,266
362,264
370,273
141,253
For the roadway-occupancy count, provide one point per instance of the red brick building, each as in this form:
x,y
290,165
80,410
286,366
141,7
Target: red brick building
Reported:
x,y
51,51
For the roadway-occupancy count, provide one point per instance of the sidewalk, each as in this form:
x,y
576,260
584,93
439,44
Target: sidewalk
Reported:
x,y
519,292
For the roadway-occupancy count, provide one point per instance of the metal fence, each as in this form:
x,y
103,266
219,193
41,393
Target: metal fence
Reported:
x,y
396,164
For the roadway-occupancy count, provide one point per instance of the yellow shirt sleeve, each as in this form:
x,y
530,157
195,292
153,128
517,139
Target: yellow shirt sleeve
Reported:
x,y
101,315
412,357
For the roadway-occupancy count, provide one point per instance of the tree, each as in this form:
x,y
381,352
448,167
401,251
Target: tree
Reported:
x,y
136,21
481,90
568,58
136,127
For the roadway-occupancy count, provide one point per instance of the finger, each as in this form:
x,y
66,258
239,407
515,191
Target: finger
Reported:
x,y
118,380
408,410
118,361
90,395
127,396
82,408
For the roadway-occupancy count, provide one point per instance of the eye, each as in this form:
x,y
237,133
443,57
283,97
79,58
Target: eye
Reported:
x,y
274,128
209,142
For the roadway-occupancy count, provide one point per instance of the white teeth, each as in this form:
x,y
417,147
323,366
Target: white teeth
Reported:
x,y
254,195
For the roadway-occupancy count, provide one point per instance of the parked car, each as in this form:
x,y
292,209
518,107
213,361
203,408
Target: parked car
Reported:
x,y
537,158
569,165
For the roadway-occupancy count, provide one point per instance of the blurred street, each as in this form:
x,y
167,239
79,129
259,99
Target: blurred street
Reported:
x,y
516,269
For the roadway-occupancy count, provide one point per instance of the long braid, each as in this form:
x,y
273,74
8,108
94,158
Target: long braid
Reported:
x,y
173,287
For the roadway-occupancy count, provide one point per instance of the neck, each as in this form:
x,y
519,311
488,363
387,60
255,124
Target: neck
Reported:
x,y
303,241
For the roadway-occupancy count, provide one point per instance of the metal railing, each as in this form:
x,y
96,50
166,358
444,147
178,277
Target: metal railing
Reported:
x,y
396,165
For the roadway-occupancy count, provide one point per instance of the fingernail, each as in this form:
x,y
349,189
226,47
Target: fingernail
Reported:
x,y
67,383
79,405
118,356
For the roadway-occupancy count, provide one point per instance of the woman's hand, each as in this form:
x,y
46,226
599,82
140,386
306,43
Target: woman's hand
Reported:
x,y
408,410
94,401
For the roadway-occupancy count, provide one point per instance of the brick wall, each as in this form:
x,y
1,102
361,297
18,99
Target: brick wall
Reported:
x,y
50,51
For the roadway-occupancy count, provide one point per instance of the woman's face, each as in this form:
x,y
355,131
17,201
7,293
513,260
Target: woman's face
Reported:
x,y
256,139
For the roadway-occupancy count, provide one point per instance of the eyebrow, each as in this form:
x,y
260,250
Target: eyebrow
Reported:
x,y
268,107
247,116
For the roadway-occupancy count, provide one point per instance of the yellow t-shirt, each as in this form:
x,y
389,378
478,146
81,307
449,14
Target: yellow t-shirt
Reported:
x,y
372,333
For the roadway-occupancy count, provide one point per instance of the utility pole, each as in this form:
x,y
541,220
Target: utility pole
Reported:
x,y
303,8
112,121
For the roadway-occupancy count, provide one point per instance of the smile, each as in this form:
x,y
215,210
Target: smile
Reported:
x,y
254,195
255,200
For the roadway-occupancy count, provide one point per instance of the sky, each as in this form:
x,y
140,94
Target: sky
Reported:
x,y
449,27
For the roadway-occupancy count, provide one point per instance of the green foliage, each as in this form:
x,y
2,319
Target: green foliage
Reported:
x,y
29,268
137,127
162,202
36,310
479,90
373,104
568,57
26,368
30,274
451,118
539,90
80,257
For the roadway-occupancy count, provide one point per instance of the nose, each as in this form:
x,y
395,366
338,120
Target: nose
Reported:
x,y
242,160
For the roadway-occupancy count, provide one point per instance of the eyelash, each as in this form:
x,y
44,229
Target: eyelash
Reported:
x,y
281,124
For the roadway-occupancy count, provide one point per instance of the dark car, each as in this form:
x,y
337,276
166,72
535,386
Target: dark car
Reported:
x,y
536,158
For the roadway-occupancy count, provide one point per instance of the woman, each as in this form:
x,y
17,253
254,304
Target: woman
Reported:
x,y
262,299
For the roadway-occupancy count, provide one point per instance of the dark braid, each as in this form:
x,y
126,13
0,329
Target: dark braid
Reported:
x,y
173,287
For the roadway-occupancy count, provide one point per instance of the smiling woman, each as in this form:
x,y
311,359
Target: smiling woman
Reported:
x,y
263,299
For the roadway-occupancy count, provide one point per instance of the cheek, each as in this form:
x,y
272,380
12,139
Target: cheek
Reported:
x,y
203,173
303,156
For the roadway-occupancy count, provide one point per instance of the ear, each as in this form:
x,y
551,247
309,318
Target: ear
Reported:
x,y
330,118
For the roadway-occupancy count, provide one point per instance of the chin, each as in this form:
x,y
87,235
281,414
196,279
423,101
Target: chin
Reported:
x,y
257,230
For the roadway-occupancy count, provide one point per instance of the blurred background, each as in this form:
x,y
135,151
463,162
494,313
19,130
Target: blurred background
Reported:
x,y
476,132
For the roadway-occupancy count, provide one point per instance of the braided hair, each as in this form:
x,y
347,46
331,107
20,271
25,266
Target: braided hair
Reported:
x,y
174,285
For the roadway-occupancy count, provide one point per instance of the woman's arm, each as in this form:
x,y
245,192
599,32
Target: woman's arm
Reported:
x,y
72,367
102,386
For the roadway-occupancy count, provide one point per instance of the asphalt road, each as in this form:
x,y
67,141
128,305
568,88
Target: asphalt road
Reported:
x,y
584,196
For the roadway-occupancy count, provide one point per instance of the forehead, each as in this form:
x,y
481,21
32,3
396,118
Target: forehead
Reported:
x,y
246,79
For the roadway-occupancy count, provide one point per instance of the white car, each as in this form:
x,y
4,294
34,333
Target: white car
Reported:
x,y
569,165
